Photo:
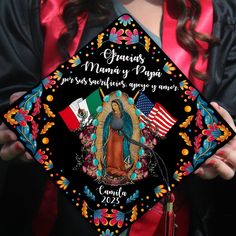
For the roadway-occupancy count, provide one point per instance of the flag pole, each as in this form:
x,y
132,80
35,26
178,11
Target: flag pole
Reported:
x,y
101,92
136,95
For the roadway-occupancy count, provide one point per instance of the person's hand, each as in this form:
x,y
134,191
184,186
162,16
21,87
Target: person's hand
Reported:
x,y
11,147
223,162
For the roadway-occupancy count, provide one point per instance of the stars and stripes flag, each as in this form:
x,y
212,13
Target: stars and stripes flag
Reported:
x,y
155,116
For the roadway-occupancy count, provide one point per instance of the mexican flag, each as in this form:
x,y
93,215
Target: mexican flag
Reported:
x,y
81,111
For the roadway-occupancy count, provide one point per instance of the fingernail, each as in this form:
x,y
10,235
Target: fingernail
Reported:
x,y
199,171
19,147
28,156
216,105
14,97
220,153
211,163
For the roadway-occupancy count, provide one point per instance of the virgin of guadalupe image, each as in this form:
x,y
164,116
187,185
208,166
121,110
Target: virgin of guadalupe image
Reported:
x,y
118,153
117,132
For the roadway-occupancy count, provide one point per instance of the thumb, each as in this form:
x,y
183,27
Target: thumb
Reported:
x,y
16,96
225,114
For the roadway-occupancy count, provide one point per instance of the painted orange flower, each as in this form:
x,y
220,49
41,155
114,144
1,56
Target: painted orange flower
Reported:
x,y
160,190
226,133
75,61
177,176
63,183
183,85
57,75
187,168
9,114
168,68
48,165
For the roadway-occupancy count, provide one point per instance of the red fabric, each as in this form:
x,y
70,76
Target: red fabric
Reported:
x,y
152,223
170,45
149,223
53,26
47,213
170,217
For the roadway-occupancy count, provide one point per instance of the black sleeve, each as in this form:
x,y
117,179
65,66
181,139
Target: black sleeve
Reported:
x,y
221,86
20,47
20,68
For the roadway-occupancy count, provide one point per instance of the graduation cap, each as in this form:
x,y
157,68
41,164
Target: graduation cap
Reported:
x,y
117,126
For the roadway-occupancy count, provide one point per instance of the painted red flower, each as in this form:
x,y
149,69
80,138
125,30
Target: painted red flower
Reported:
x,y
22,117
192,93
100,216
213,132
48,82
132,37
187,168
118,218
116,36
40,156
125,20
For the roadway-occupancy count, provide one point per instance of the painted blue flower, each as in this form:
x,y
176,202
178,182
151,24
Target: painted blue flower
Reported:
x,y
183,84
116,36
75,61
57,75
22,117
132,37
187,168
168,68
118,218
177,176
192,93
19,118
48,165
107,233
48,82
100,216
40,156
125,20
213,132
160,190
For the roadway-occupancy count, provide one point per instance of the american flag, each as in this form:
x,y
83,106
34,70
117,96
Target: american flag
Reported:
x,y
155,115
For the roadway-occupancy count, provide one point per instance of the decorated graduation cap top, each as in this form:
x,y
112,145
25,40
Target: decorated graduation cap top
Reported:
x,y
117,126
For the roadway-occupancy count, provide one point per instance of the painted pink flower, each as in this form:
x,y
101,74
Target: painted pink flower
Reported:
x,y
125,20
48,82
197,143
187,168
100,216
116,36
118,218
198,119
213,132
40,156
22,117
192,93
132,37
